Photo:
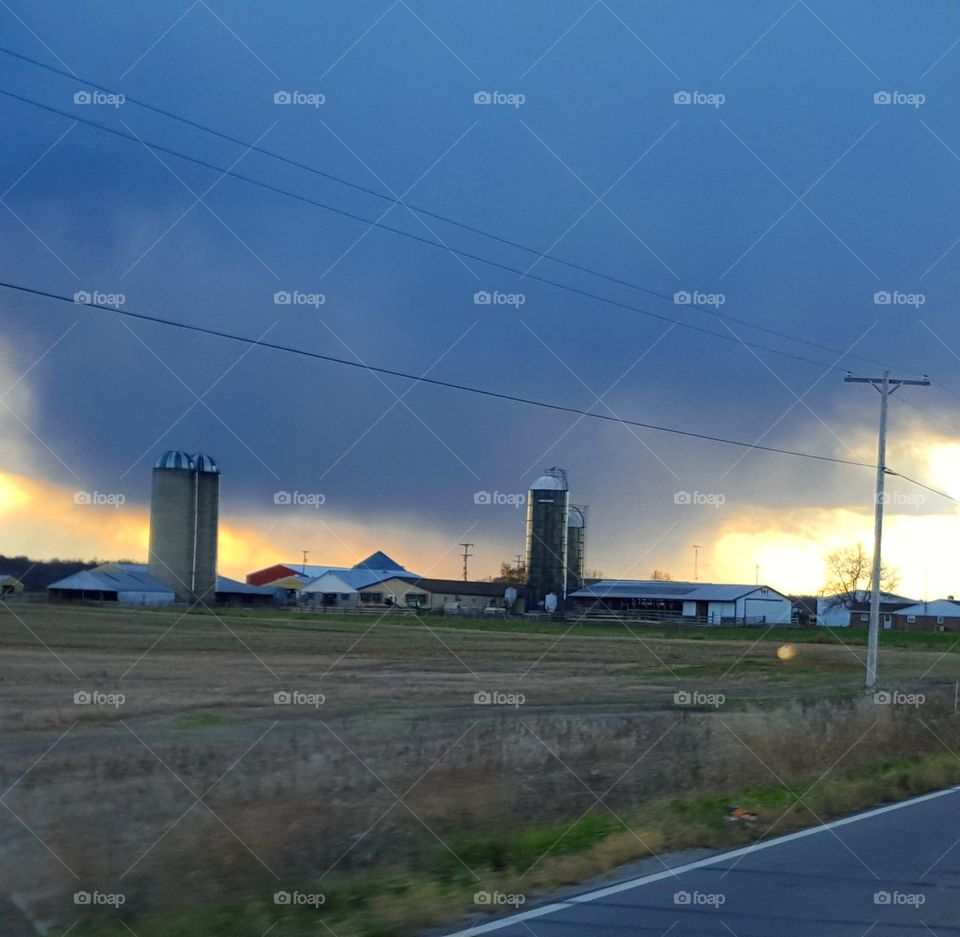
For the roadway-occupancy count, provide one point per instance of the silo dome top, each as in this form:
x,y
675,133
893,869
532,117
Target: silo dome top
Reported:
x,y
575,517
553,479
174,459
206,463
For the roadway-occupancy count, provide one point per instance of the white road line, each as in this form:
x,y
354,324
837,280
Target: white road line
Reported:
x,y
589,896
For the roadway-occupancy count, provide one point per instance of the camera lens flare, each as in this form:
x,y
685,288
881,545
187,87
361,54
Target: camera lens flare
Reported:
x,y
787,651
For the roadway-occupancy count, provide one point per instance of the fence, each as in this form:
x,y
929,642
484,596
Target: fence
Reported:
x,y
654,617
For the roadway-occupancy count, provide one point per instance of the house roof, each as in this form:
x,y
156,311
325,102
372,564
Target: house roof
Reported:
x,y
863,595
459,587
655,589
888,604
353,579
939,607
378,561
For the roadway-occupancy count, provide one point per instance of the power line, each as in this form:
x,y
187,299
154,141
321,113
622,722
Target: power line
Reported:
x,y
919,484
264,151
419,209
417,379
415,237
732,337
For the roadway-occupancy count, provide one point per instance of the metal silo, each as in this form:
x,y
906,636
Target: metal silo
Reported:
x,y
576,546
173,513
547,505
207,520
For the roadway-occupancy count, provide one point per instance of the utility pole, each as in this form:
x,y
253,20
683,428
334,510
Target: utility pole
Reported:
x,y
885,386
306,553
756,569
696,562
466,556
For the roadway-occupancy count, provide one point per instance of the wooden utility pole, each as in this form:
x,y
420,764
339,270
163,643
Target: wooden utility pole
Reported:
x,y
885,386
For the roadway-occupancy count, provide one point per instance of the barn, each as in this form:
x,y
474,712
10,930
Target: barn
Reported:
x,y
693,602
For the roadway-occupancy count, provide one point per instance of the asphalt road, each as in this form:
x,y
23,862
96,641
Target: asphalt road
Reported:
x,y
889,872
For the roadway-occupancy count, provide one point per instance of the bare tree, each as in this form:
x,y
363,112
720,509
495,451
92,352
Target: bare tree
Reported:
x,y
512,573
849,575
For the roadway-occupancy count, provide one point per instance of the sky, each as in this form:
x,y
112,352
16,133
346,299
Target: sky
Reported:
x,y
791,168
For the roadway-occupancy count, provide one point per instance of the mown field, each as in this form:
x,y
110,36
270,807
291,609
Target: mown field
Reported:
x,y
188,797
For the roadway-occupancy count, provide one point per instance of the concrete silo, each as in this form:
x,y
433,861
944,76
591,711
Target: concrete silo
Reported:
x,y
173,512
547,504
208,518
184,513
576,546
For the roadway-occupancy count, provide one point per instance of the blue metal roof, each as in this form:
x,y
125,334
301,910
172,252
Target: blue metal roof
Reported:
x,y
357,579
128,579
133,577
379,560
232,586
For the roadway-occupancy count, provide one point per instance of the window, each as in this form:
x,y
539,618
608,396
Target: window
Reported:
x,y
371,598
911,618
416,598
864,618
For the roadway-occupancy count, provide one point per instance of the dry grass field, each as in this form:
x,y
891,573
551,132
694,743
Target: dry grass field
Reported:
x,y
188,790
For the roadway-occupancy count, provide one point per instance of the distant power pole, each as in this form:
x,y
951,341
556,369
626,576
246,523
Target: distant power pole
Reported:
x,y
885,386
466,556
306,553
696,562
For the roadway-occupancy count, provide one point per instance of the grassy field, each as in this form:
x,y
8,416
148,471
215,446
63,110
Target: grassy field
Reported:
x,y
387,786
854,637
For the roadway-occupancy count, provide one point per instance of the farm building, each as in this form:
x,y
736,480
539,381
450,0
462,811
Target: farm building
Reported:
x,y
125,583
131,584
709,603
287,575
297,575
357,588
845,609
939,615
456,595
10,585
377,581
234,593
